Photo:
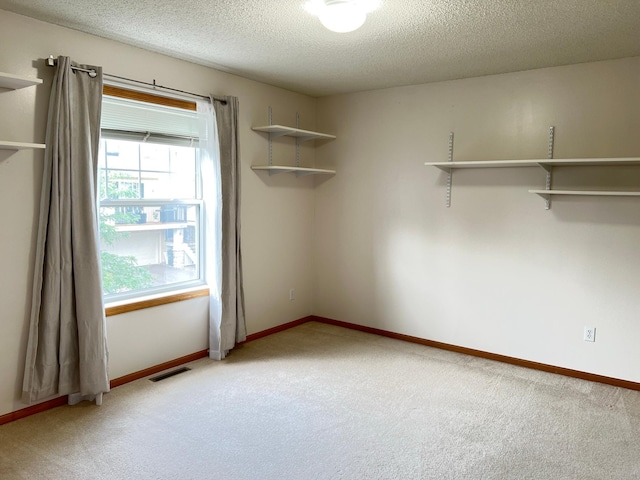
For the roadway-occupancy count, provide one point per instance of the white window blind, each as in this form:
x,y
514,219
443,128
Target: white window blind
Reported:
x,y
140,121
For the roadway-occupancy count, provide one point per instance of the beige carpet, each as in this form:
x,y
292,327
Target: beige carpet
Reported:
x,y
321,402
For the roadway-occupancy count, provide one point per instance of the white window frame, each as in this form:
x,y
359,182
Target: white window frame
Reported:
x,y
141,202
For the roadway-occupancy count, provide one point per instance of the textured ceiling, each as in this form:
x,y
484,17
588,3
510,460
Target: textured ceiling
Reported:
x,y
404,42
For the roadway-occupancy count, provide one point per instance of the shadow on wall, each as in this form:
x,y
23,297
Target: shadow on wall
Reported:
x,y
289,180
5,155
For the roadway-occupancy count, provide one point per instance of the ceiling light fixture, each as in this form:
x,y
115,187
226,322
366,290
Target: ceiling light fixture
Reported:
x,y
342,16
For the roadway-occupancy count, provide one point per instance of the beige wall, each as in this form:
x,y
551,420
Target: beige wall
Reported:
x,y
277,212
496,271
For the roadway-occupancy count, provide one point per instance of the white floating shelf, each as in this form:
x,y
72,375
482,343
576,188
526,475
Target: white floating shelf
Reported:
x,y
585,162
593,193
303,135
14,82
20,145
299,171
448,166
542,162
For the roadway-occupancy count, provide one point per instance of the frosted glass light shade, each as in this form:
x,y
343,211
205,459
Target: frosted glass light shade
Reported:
x,y
342,16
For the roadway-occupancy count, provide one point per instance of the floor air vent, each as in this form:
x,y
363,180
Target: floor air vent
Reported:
x,y
172,373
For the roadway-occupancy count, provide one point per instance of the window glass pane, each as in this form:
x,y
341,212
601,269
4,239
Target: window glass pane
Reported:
x,y
158,185
102,183
149,246
184,184
183,159
154,157
102,154
183,171
122,155
120,184
140,170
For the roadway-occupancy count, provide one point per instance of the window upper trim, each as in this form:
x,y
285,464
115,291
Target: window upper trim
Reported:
x,y
112,91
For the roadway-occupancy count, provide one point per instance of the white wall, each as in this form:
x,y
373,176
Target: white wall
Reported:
x,y
277,213
496,271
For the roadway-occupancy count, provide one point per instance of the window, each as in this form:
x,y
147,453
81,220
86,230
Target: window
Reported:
x,y
151,223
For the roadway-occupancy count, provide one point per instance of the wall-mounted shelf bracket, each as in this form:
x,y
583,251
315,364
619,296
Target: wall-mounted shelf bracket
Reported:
x,y
271,134
549,169
546,164
297,140
449,171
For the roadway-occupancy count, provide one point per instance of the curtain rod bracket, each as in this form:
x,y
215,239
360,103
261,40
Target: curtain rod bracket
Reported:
x,y
52,62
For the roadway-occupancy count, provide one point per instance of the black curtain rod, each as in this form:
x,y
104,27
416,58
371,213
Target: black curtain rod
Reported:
x,y
51,61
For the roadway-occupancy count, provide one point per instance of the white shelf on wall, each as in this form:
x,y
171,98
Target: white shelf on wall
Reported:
x,y
300,135
448,166
303,135
14,82
592,193
548,164
299,171
558,162
585,162
20,145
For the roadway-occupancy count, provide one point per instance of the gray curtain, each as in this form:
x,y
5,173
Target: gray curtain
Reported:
x,y
232,324
67,351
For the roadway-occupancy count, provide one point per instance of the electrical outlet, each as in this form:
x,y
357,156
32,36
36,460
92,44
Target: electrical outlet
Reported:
x,y
589,334
292,294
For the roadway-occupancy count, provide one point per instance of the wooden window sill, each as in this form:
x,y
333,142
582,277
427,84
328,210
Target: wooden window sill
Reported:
x,y
140,304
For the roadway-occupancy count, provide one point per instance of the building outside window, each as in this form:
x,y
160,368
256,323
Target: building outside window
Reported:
x,y
150,212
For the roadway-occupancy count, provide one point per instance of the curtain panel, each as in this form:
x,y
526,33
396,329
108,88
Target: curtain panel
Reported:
x,y
231,327
67,350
